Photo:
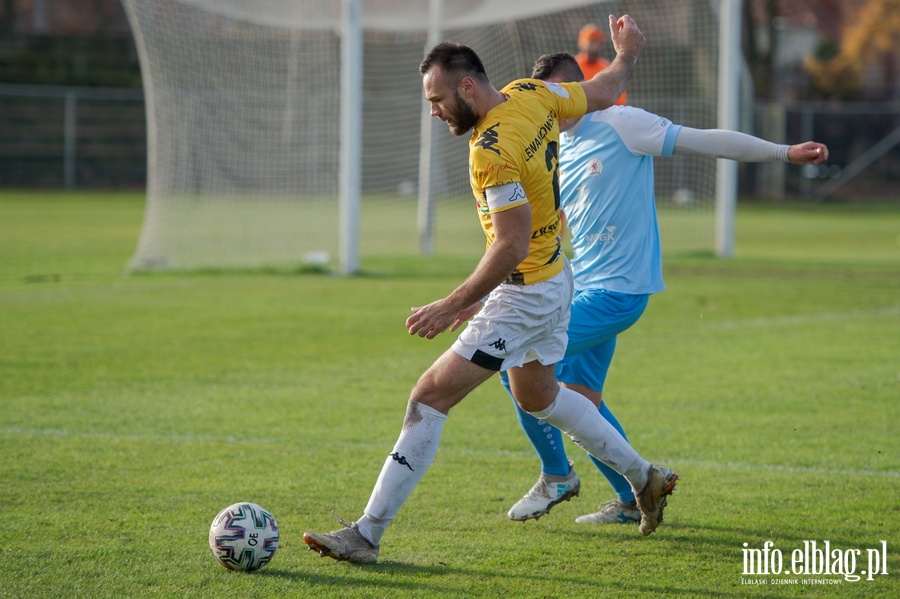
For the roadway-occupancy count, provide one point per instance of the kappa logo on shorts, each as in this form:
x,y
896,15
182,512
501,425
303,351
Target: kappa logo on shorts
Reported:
x,y
499,344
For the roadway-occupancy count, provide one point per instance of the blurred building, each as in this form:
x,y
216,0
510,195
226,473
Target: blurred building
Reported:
x,y
823,69
64,17
70,42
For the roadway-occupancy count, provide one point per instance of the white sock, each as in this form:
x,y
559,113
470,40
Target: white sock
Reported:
x,y
404,467
575,415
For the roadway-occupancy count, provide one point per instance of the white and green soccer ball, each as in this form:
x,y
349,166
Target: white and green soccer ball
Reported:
x,y
244,537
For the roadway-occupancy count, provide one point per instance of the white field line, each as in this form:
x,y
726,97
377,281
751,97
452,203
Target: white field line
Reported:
x,y
15,431
799,319
49,432
788,469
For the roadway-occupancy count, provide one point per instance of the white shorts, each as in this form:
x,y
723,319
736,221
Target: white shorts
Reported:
x,y
519,324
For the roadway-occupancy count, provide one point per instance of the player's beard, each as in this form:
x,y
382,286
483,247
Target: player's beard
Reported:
x,y
464,117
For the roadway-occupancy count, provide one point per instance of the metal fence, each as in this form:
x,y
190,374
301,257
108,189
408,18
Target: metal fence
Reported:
x,y
72,137
863,140
80,137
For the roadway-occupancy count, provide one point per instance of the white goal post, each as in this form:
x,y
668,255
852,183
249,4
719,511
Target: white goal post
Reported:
x,y
290,132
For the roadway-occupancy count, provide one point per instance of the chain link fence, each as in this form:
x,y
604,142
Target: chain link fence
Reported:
x,y
84,137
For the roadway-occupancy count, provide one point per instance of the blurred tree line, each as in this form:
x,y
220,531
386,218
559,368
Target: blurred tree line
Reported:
x,y
871,37
855,56
89,42
67,42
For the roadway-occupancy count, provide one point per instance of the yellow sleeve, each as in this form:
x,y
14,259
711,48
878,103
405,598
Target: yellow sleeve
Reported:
x,y
572,101
491,166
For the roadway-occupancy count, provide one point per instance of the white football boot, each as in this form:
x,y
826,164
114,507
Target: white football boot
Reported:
x,y
546,492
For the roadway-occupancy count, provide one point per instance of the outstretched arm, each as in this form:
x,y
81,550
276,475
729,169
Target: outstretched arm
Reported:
x,y
606,86
721,143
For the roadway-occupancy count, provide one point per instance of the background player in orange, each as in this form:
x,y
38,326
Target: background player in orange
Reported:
x,y
589,58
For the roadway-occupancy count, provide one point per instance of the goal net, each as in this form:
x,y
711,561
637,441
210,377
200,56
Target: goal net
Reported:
x,y
243,112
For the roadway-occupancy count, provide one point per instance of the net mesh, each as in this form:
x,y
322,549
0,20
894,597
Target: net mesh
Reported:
x,y
243,102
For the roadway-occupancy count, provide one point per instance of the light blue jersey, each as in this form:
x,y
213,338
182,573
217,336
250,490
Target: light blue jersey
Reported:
x,y
609,154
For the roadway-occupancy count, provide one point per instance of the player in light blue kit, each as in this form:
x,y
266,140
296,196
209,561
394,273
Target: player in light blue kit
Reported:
x,y
607,196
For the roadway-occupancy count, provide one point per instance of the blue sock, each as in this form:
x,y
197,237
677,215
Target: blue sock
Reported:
x,y
623,490
546,439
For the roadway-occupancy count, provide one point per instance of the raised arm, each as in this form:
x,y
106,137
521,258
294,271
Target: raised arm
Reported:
x,y
606,86
721,143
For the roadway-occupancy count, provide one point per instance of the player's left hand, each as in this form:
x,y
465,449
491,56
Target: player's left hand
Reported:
x,y
810,152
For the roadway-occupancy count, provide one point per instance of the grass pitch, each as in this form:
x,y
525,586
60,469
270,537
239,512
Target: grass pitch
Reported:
x,y
135,408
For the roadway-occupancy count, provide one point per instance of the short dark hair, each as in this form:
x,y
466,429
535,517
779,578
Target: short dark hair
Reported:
x,y
558,64
455,59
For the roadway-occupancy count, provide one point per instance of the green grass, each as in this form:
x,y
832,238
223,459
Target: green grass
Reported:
x,y
135,408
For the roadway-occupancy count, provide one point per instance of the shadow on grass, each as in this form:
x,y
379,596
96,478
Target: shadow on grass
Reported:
x,y
379,267
436,580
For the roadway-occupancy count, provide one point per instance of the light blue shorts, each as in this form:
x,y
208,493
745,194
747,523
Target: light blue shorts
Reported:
x,y
597,317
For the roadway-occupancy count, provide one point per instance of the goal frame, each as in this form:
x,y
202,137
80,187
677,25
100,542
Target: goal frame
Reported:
x,y
730,66
203,206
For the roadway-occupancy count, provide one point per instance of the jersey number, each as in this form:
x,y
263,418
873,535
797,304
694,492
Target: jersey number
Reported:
x,y
551,155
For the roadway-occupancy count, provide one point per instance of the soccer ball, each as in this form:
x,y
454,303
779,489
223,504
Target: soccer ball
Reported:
x,y
244,537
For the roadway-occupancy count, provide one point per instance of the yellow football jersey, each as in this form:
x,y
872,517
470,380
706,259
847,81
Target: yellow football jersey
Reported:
x,y
518,142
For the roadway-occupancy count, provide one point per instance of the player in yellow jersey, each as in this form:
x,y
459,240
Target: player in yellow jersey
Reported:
x,y
518,296
517,145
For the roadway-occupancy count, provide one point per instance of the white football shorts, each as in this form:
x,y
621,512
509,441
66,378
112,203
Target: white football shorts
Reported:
x,y
519,324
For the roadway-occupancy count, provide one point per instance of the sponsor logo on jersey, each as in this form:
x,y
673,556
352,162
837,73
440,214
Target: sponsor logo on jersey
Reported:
x,y
551,229
608,234
538,141
488,138
525,87
495,168
557,89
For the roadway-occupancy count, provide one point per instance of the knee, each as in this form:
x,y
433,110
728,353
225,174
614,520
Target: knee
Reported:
x,y
431,397
536,400
422,396
596,397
